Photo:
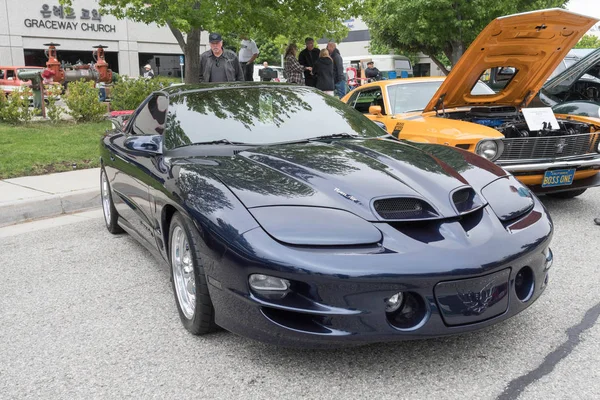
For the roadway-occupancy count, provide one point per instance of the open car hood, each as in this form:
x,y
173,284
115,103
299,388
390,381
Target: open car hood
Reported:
x,y
563,81
534,43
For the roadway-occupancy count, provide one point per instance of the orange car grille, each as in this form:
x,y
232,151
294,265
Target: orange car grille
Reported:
x,y
549,147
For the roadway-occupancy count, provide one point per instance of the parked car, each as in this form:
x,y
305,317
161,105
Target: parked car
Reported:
x,y
9,80
558,155
575,91
288,217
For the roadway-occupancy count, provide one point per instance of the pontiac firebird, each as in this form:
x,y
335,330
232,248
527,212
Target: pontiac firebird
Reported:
x,y
288,217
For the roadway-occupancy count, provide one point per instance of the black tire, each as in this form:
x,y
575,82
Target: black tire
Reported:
x,y
203,319
567,195
111,218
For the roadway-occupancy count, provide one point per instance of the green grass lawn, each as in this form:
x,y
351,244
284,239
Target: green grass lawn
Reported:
x,y
42,148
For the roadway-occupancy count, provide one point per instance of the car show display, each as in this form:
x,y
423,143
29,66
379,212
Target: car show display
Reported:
x,y
288,217
460,111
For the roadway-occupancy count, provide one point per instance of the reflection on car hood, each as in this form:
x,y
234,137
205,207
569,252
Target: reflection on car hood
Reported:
x,y
349,174
533,42
568,77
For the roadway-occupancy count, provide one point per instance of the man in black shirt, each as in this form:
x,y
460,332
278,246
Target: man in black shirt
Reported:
x,y
307,58
371,72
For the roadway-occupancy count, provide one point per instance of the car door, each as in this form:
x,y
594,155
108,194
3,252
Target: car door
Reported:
x,y
134,170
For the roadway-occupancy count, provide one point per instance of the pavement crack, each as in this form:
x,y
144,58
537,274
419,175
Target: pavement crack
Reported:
x,y
27,187
518,385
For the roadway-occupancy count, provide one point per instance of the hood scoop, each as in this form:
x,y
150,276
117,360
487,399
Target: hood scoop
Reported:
x,y
404,208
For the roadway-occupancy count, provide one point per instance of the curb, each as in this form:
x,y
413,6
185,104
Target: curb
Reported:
x,y
48,206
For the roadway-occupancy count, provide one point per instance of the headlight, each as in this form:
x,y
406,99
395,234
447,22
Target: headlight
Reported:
x,y
489,149
508,198
598,149
315,226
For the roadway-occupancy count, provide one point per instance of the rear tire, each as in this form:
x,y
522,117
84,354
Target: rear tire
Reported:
x,y
190,286
567,195
111,217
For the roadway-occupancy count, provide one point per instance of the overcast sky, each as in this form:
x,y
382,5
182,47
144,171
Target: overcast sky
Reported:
x,y
585,7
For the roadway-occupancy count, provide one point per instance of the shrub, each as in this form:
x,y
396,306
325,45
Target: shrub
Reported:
x,y
53,111
82,99
15,107
127,93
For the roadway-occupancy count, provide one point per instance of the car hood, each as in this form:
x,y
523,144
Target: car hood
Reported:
x,y
568,77
349,174
533,42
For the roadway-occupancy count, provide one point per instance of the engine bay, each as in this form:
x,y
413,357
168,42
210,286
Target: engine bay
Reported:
x,y
511,123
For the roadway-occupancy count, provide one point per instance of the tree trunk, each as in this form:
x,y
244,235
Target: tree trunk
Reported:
x,y
439,64
458,48
192,56
191,51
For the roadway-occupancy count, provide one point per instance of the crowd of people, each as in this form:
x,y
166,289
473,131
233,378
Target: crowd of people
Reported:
x,y
322,69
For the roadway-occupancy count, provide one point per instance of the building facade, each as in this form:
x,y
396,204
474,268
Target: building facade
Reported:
x,y
27,25
357,43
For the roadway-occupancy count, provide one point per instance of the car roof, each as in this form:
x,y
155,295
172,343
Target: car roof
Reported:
x,y
202,87
401,81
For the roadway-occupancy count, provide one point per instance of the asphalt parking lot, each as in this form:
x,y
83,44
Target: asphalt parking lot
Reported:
x,y
87,314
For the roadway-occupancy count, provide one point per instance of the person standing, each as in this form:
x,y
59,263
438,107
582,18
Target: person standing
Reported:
x,y
266,72
371,72
148,73
338,69
218,64
247,55
323,71
308,57
291,67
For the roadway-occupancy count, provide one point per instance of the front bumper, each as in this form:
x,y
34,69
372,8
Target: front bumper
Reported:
x,y
593,162
338,298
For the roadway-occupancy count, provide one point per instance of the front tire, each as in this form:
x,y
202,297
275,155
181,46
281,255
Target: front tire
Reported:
x,y
111,217
188,277
567,195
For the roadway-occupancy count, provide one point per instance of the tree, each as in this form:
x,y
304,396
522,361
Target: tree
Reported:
x,y
188,18
436,27
588,42
269,52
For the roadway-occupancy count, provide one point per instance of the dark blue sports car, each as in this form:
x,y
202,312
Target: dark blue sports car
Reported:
x,y
288,217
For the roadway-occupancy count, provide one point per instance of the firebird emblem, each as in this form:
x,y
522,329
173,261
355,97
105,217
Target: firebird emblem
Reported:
x,y
478,302
560,146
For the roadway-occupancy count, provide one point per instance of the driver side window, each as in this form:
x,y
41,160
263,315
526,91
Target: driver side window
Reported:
x,y
368,98
151,118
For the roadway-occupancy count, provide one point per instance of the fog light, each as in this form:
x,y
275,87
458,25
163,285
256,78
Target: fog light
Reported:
x,y
549,259
394,302
268,283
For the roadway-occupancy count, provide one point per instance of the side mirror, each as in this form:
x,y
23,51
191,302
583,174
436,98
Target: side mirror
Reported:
x,y
148,145
375,110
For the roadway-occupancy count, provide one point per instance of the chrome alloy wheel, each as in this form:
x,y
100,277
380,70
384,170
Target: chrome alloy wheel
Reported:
x,y
183,272
105,194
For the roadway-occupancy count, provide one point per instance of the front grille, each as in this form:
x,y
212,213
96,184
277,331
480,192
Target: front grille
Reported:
x,y
403,208
549,147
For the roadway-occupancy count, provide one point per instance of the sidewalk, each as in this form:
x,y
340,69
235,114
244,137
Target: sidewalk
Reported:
x,y
33,197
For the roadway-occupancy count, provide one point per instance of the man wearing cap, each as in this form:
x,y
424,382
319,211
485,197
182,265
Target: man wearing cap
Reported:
x,y
218,64
308,57
148,73
371,72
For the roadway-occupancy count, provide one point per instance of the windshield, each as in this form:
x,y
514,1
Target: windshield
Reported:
x,y
415,96
587,67
261,115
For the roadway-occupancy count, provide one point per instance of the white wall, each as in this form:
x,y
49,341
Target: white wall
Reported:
x,y
20,29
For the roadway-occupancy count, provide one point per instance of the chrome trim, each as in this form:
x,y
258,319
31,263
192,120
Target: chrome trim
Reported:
x,y
594,162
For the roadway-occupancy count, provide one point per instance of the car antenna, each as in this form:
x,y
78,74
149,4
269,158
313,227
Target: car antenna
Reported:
x,y
440,101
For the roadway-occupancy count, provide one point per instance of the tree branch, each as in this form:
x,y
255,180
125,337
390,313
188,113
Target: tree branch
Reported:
x,y
178,35
439,64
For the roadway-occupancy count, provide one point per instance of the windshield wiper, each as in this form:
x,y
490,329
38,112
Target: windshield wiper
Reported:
x,y
416,109
341,135
219,141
